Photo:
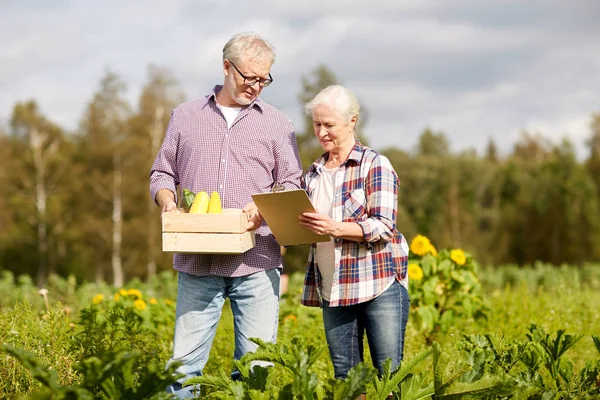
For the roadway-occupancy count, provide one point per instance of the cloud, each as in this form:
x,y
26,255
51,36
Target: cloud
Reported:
x,y
472,69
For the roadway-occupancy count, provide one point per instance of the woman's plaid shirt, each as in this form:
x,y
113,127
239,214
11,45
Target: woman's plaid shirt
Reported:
x,y
366,192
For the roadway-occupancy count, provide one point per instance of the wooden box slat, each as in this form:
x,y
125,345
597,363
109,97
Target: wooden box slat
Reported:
x,y
230,221
214,243
206,233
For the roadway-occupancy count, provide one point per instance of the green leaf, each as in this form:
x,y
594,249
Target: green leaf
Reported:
x,y
417,387
427,318
407,366
596,340
355,382
188,197
390,381
41,373
489,386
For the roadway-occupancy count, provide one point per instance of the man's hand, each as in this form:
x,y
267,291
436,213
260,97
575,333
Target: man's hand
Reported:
x,y
169,206
254,217
166,200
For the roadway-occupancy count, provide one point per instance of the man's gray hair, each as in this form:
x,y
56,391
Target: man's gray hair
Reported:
x,y
342,100
248,46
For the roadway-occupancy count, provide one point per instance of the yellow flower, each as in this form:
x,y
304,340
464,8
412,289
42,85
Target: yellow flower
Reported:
x,y
117,296
168,302
420,245
291,318
152,300
433,251
123,292
458,256
98,299
139,304
415,272
134,292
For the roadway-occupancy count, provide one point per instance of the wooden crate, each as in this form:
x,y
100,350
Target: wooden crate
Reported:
x,y
206,233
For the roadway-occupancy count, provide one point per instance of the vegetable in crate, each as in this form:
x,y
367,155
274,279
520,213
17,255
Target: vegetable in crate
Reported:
x,y
188,197
214,206
200,204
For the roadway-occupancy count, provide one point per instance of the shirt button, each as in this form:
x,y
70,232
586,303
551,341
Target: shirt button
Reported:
x,y
220,186
226,135
223,160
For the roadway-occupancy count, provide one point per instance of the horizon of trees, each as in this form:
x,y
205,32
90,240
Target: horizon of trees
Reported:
x,y
77,203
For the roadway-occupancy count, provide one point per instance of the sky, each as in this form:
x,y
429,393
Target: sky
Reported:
x,y
473,69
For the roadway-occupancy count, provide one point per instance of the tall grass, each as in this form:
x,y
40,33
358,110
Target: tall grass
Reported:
x,y
551,297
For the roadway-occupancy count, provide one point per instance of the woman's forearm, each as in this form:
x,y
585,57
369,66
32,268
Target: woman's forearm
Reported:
x,y
348,231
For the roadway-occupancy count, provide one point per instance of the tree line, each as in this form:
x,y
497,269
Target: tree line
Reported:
x,y
77,203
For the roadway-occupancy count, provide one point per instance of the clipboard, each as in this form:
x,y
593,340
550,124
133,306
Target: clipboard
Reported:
x,y
281,211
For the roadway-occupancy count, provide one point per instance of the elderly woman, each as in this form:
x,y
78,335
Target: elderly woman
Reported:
x,y
359,276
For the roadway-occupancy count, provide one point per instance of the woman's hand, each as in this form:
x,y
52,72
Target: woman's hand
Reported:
x,y
319,223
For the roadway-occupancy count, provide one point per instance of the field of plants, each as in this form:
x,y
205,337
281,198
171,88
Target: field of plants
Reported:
x,y
504,332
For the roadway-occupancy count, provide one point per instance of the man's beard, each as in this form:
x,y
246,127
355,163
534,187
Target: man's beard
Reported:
x,y
237,97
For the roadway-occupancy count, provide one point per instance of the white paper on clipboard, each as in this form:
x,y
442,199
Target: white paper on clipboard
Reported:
x,y
281,211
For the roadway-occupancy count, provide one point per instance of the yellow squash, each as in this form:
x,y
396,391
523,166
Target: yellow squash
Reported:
x,y
214,205
200,204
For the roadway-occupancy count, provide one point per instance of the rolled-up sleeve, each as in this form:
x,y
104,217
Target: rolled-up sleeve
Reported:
x,y
381,188
163,174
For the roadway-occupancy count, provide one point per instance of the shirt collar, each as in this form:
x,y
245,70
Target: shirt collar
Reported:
x,y
355,156
212,96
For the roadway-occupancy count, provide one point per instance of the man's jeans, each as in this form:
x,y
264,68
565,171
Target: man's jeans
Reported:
x,y
384,321
255,307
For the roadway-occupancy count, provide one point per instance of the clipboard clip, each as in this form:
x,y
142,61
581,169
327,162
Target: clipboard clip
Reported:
x,y
277,187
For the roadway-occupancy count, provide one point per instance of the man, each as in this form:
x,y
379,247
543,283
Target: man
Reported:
x,y
234,143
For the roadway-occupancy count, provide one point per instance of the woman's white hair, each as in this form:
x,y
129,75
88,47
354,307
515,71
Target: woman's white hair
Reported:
x,y
248,46
339,98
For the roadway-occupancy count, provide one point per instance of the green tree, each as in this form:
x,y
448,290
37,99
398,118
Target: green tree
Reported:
x,y
433,144
532,148
6,216
423,195
549,208
491,151
572,206
403,164
160,94
593,161
41,167
76,204
104,150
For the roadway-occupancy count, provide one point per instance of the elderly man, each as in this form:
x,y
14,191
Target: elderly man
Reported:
x,y
234,143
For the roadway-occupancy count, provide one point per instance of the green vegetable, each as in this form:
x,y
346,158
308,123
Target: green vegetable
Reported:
x,y
188,197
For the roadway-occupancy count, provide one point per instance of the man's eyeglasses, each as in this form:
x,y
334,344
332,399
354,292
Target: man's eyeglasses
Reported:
x,y
252,81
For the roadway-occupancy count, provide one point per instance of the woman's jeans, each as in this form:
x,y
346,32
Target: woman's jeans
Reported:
x,y
255,308
383,319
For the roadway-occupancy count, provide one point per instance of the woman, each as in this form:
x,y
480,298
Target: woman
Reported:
x,y
358,277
